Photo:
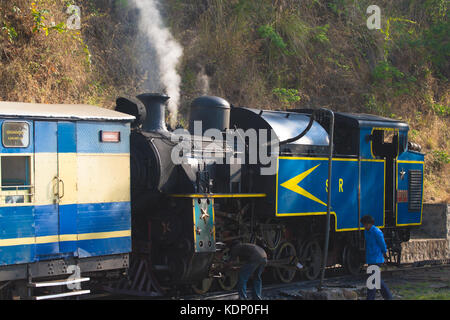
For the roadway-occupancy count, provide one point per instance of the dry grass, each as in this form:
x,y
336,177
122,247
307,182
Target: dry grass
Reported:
x,y
329,58
40,68
91,65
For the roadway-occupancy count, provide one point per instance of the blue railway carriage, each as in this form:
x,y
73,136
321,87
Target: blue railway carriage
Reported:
x,y
64,198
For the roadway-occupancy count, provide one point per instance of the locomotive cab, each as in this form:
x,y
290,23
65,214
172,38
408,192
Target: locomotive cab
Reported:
x,y
383,142
373,173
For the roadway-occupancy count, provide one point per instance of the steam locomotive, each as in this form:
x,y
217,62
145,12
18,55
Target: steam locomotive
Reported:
x,y
263,177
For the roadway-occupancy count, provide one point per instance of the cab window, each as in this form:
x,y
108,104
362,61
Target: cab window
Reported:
x,y
385,143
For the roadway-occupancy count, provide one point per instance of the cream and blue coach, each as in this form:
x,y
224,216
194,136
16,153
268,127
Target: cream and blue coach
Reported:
x,y
65,190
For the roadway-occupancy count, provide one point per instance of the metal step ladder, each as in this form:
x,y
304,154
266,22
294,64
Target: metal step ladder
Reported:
x,y
56,283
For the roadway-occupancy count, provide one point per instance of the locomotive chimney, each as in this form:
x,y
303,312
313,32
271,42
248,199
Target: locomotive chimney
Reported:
x,y
155,105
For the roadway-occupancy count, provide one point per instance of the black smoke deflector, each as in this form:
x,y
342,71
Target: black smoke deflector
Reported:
x,y
133,107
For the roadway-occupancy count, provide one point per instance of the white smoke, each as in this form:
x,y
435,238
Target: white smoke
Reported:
x,y
167,50
203,81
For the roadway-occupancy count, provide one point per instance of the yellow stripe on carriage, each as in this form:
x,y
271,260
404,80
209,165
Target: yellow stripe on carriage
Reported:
x,y
104,235
17,242
68,237
46,239
64,237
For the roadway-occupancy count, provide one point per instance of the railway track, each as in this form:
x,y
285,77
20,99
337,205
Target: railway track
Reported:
x,y
335,278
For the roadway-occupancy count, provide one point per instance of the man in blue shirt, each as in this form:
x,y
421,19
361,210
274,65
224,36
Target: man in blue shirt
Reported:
x,y
375,252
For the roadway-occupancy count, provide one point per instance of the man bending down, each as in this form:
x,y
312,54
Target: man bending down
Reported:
x,y
254,260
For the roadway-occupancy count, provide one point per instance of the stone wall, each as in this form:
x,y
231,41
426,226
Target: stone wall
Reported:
x,y
431,240
425,249
448,221
435,223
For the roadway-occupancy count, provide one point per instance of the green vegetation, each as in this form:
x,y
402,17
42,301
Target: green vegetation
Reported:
x,y
441,110
287,96
321,33
440,157
388,32
437,47
422,291
392,79
268,32
12,33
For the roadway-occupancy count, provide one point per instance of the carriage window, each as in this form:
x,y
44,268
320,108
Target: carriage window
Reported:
x,y
15,134
15,179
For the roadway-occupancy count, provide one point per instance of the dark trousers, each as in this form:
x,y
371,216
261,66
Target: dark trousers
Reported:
x,y
256,268
385,293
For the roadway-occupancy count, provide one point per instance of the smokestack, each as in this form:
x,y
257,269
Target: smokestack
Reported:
x,y
155,105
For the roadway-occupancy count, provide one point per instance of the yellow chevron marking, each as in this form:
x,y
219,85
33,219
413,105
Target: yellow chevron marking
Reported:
x,y
293,185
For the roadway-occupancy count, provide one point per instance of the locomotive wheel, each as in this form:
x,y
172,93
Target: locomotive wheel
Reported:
x,y
352,260
271,235
230,277
312,259
301,244
285,251
177,267
203,286
244,231
245,234
229,280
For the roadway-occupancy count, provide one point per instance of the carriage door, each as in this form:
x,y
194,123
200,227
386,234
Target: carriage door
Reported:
x,y
46,172
66,188
55,172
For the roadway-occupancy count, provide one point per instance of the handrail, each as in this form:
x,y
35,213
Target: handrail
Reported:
x,y
330,165
301,135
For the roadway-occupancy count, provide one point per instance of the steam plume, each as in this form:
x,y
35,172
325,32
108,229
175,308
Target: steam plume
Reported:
x,y
167,51
203,81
